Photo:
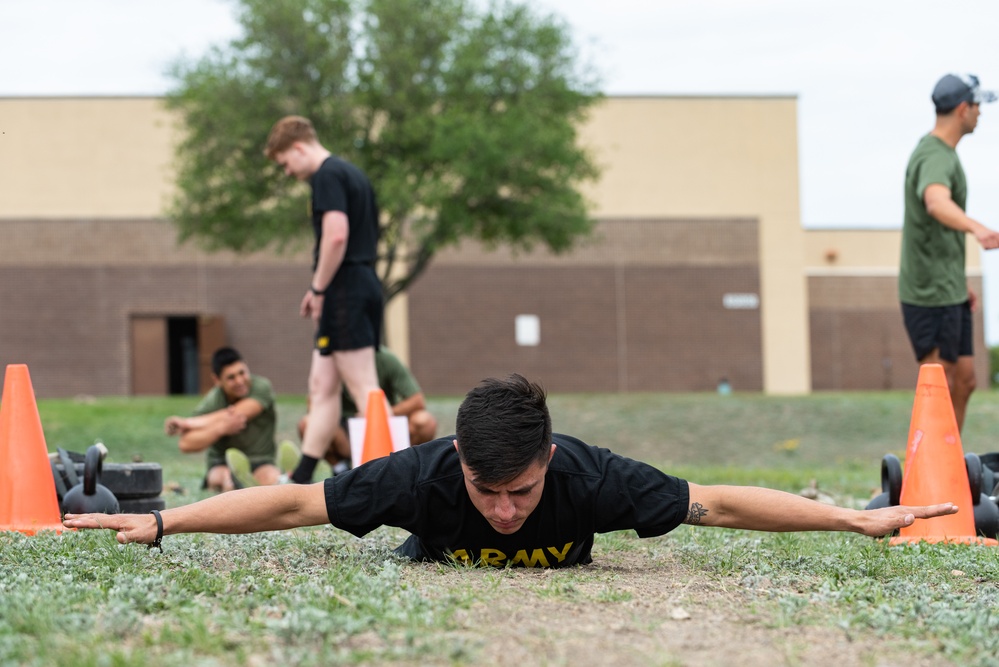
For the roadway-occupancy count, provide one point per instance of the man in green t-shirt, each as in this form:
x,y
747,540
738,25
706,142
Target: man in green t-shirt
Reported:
x,y
236,414
404,395
937,302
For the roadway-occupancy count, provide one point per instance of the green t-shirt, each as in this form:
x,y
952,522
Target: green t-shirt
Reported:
x,y
394,379
931,272
257,439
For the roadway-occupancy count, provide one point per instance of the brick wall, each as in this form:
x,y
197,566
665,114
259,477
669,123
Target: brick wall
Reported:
x,y
642,310
68,291
636,308
858,340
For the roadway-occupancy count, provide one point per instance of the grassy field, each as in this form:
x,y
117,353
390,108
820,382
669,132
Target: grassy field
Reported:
x,y
320,596
836,438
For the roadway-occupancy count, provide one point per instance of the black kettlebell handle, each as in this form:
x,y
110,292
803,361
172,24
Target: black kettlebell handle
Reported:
x,y
891,478
92,467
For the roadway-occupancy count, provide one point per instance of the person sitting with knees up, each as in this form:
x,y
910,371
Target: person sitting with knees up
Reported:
x,y
234,424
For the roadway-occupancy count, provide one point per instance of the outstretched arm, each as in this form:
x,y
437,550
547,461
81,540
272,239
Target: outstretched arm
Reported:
x,y
940,204
252,510
757,508
200,432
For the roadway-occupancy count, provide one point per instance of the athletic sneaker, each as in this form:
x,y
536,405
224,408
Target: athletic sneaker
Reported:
x,y
288,456
239,466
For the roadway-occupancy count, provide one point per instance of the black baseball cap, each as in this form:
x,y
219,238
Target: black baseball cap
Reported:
x,y
953,89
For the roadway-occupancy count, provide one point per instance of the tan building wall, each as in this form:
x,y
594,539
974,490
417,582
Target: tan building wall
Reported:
x,y
716,157
73,158
640,307
858,340
107,162
97,173
70,291
837,251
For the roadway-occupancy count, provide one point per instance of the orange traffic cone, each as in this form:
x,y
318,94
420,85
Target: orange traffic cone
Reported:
x,y
28,501
935,471
377,436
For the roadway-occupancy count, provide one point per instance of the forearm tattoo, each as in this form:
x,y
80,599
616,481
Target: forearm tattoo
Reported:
x,y
697,510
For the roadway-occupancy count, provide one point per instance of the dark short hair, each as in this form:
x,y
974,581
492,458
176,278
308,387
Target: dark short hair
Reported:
x,y
503,427
222,358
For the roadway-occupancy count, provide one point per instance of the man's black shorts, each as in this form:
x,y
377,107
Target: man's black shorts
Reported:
x,y
352,311
947,328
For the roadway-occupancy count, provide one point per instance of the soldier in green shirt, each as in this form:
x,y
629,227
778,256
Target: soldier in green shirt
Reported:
x,y
236,414
937,302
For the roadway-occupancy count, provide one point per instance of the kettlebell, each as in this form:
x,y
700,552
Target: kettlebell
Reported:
x,y
891,485
986,517
986,511
90,495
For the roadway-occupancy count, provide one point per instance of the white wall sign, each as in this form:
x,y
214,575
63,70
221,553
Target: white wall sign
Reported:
x,y
735,301
528,330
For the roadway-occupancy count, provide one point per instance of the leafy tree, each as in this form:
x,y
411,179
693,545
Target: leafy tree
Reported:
x,y
464,117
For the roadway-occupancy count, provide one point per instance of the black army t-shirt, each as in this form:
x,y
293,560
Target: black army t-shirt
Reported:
x,y
587,490
340,186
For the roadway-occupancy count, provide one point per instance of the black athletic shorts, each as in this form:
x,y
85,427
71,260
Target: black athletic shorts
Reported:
x,y
947,328
352,311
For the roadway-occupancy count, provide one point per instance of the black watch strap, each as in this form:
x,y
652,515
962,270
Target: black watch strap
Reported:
x,y
157,543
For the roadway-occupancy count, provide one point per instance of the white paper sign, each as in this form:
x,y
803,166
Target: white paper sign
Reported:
x,y
398,428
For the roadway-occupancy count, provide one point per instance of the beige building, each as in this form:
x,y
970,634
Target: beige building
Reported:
x,y
857,339
699,269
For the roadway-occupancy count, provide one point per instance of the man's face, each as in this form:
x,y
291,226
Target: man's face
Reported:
x,y
234,381
295,162
506,506
970,118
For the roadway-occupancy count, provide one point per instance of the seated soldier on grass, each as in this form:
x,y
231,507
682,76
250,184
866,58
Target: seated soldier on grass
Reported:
x,y
234,423
504,491
404,395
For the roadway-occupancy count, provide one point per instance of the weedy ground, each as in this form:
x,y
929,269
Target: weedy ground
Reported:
x,y
694,597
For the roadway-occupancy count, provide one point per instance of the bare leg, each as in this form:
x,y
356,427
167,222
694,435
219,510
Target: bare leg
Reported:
x,y
324,406
960,379
324,415
219,478
338,450
357,368
961,386
267,474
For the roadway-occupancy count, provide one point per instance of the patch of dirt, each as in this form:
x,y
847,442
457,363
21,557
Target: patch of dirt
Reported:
x,y
640,611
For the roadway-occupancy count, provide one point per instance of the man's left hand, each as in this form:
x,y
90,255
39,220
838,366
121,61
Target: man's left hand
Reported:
x,y
884,521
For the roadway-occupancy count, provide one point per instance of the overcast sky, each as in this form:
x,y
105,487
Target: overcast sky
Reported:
x,y
862,70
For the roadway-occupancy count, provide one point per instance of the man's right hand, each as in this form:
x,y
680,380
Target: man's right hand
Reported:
x,y
312,306
987,238
174,425
130,528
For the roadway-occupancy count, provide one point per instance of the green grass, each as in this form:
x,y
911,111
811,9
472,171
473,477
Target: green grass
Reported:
x,y
320,596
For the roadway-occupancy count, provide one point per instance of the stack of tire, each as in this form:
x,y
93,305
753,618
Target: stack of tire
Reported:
x,y
137,486
983,479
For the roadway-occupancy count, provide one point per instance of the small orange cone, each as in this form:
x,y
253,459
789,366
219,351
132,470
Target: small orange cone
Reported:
x,y
935,471
377,436
28,501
